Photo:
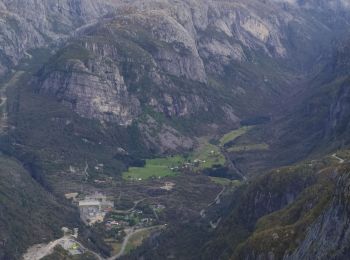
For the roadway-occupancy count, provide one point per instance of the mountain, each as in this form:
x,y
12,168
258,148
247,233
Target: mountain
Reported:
x,y
290,213
107,83
29,214
31,24
318,122
293,212
226,58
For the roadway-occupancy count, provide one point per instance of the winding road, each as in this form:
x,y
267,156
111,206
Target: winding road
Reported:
x,y
127,238
217,198
338,158
215,201
37,252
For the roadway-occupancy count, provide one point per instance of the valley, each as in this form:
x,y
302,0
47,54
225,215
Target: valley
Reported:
x,y
146,197
186,129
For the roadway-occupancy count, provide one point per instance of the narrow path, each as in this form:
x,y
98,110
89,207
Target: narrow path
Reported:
x,y
128,210
92,252
231,164
338,158
155,214
86,172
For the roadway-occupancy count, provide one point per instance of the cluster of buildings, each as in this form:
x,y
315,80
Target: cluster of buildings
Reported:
x,y
187,165
93,208
134,218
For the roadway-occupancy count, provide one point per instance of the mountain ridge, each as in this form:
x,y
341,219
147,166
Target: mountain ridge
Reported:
x,y
115,82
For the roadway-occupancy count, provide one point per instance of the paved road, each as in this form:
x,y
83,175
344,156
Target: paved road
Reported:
x,y
217,200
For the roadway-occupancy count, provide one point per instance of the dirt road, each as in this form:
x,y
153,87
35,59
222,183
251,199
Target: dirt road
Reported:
x,y
37,252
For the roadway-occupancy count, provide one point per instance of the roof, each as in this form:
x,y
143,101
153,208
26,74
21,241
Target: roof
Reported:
x,y
83,203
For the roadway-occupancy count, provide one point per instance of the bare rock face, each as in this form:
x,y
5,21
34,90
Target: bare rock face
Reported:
x,y
93,90
156,54
175,106
28,24
16,36
164,137
119,65
329,236
177,52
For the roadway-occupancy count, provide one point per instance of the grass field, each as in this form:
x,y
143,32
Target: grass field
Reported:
x,y
136,240
231,136
208,154
224,181
205,156
249,147
159,167
116,246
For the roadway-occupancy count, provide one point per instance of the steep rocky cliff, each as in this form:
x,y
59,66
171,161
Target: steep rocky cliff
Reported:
x,y
25,25
317,228
318,120
110,82
212,62
288,213
266,195
328,237
309,222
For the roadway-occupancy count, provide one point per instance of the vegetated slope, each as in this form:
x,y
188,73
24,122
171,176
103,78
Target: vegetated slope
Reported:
x,y
154,75
314,121
28,213
287,214
59,145
149,79
318,123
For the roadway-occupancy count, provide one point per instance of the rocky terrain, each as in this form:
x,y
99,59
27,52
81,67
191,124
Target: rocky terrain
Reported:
x,y
31,24
211,57
110,82
330,226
